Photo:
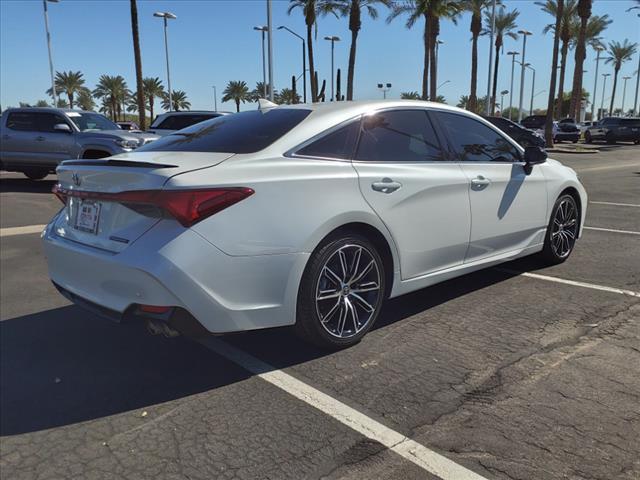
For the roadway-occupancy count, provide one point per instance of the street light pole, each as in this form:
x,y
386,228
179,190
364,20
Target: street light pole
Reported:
x,y
635,102
624,92
524,34
385,87
513,64
604,85
263,29
598,49
270,39
167,16
533,86
215,98
493,28
332,39
304,61
46,27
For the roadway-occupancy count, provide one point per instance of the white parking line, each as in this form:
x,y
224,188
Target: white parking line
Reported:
x,y
413,451
593,286
11,231
613,230
617,204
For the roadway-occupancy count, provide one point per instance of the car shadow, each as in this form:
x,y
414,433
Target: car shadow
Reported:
x,y
64,365
24,185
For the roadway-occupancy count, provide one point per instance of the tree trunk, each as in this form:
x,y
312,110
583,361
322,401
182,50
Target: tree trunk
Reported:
x,y
352,64
495,81
142,118
473,97
237,104
563,66
151,107
613,92
314,87
71,100
548,126
425,72
433,67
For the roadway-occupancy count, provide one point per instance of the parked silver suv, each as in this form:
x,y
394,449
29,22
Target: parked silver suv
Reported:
x,y
35,140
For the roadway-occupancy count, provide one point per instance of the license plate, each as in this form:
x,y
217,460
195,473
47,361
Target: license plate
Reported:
x,y
88,217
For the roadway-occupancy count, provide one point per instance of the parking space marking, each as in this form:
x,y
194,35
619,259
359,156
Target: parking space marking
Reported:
x,y
575,283
411,450
616,204
612,230
29,229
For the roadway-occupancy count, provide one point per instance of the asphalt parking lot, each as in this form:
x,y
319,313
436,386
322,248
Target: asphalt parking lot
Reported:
x,y
509,375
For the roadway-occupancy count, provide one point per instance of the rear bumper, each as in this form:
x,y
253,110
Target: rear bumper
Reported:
x,y
172,266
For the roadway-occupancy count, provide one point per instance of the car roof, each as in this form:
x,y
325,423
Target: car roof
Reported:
x,y
187,112
48,109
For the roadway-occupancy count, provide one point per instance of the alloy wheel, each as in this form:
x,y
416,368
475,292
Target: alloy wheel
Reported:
x,y
565,228
348,291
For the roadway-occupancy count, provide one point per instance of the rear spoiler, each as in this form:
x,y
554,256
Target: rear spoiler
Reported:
x,y
115,163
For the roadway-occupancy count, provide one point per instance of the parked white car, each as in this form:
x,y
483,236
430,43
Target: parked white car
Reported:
x,y
170,122
310,215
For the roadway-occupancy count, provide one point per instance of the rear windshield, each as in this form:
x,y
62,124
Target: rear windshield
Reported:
x,y
244,132
178,122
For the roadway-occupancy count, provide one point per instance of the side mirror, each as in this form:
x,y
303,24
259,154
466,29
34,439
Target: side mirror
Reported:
x,y
62,127
534,156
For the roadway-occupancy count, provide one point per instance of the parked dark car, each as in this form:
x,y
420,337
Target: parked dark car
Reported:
x,y
566,129
128,125
524,136
534,122
614,129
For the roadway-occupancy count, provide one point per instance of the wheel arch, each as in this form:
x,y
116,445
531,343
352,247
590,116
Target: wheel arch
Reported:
x,y
573,191
95,152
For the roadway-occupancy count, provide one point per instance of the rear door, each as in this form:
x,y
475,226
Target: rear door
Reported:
x,y
508,202
19,138
422,198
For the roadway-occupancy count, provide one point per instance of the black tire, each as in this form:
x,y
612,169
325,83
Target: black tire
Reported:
x,y
311,311
611,140
36,174
587,138
551,254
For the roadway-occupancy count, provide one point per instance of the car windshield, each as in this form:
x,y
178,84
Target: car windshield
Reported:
x,y
91,121
244,132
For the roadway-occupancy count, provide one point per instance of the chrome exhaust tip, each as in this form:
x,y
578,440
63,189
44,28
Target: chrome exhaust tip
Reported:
x,y
158,327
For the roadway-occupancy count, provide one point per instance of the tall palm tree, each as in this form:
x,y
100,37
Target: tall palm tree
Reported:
x,y
476,7
288,96
505,25
569,12
354,8
69,83
112,90
548,124
584,33
258,92
311,9
416,10
179,101
410,96
152,88
618,54
142,120
42,103
237,91
85,99
437,10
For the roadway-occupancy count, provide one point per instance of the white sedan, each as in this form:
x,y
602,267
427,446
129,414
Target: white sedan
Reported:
x,y
305,215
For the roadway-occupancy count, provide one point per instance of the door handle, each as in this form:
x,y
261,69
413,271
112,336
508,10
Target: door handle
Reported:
x,y
40,138
480,182
386,186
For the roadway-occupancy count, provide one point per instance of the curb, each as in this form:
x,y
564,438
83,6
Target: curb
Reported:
x,y
576,152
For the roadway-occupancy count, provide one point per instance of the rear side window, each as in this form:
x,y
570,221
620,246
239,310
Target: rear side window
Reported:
x,y
398,136
630,122
474,141
178,122
338,144
25,121
244,132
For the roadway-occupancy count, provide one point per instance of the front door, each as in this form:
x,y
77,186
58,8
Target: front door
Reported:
x,y
508,201
422,199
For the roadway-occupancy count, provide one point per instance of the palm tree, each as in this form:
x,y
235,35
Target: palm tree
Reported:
x,y
618,54
258,92
505,25
111,89
311,9
42,103
69,83
410,95
548,124
237,91
354,8
152,88
569,12
178,99
476,7
85,99
288,96
586,31
138,60
436,10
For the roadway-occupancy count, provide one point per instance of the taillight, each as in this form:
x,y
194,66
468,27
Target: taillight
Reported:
x,y
186,206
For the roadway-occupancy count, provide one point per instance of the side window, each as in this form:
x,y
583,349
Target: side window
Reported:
x,y
25,121
338,144
46,121
398,136
474,141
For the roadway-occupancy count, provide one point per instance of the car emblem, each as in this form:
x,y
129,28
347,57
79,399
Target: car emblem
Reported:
x,y
76,179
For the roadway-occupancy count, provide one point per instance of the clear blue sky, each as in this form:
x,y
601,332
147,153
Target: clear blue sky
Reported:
x,y
213,42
